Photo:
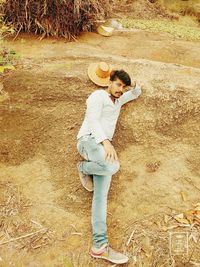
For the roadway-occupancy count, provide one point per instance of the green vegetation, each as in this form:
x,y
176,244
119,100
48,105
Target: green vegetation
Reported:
x,y
67,262
180,31
8,57
186,27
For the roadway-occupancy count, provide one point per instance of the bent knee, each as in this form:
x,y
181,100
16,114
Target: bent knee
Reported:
x,y
111,168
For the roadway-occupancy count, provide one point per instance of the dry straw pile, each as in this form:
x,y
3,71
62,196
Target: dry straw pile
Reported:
x,y
54,17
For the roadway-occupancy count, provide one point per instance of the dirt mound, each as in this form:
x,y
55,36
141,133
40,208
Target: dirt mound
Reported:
x,y
193,10
157,141
142,9
159,132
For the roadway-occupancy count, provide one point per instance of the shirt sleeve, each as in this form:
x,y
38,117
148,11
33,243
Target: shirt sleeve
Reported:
x,y
93,114
130,95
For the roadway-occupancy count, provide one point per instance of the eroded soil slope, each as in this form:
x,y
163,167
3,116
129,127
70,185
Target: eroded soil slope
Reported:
x,y
157,140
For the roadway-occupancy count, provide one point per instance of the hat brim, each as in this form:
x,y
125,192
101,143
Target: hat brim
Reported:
x,y
105,31
96,79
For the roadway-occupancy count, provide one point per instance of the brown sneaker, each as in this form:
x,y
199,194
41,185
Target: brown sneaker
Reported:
x,y
107,253
86,180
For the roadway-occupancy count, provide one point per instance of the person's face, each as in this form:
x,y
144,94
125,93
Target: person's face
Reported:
x,y
117,88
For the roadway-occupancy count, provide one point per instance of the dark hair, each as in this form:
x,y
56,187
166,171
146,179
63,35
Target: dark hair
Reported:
x,y
122,75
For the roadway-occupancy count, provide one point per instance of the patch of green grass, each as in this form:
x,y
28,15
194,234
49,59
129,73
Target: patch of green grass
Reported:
x,y
6,67
8,59
67,262
173,28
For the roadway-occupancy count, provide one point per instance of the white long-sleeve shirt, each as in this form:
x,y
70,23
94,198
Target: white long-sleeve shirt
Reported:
x,y
102,114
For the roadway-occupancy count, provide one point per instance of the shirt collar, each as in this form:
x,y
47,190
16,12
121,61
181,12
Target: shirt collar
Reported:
x,y
107,93
116,100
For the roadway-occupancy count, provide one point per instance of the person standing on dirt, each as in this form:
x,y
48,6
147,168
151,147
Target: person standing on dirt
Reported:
x,y
94,143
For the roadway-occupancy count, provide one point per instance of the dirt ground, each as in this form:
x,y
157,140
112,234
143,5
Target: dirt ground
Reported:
x,y
157,141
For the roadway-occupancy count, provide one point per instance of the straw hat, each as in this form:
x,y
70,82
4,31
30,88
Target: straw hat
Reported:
x,y
105,31
99,73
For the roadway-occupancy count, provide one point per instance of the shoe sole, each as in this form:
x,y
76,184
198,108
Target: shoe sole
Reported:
x,y
80,176
113,261
85,186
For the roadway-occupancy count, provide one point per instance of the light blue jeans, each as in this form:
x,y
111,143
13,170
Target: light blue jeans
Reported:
x,y
102,171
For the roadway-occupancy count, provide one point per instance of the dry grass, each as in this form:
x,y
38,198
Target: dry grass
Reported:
x,y
56,18
15,225
147,241
191,7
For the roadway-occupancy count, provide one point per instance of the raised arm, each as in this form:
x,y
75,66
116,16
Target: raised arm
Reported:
x,y
93,114
131,94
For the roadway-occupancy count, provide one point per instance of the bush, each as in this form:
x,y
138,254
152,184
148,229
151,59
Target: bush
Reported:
x,y
55,17
4,29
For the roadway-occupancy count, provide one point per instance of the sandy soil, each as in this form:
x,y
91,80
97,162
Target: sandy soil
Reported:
x,y
157,140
